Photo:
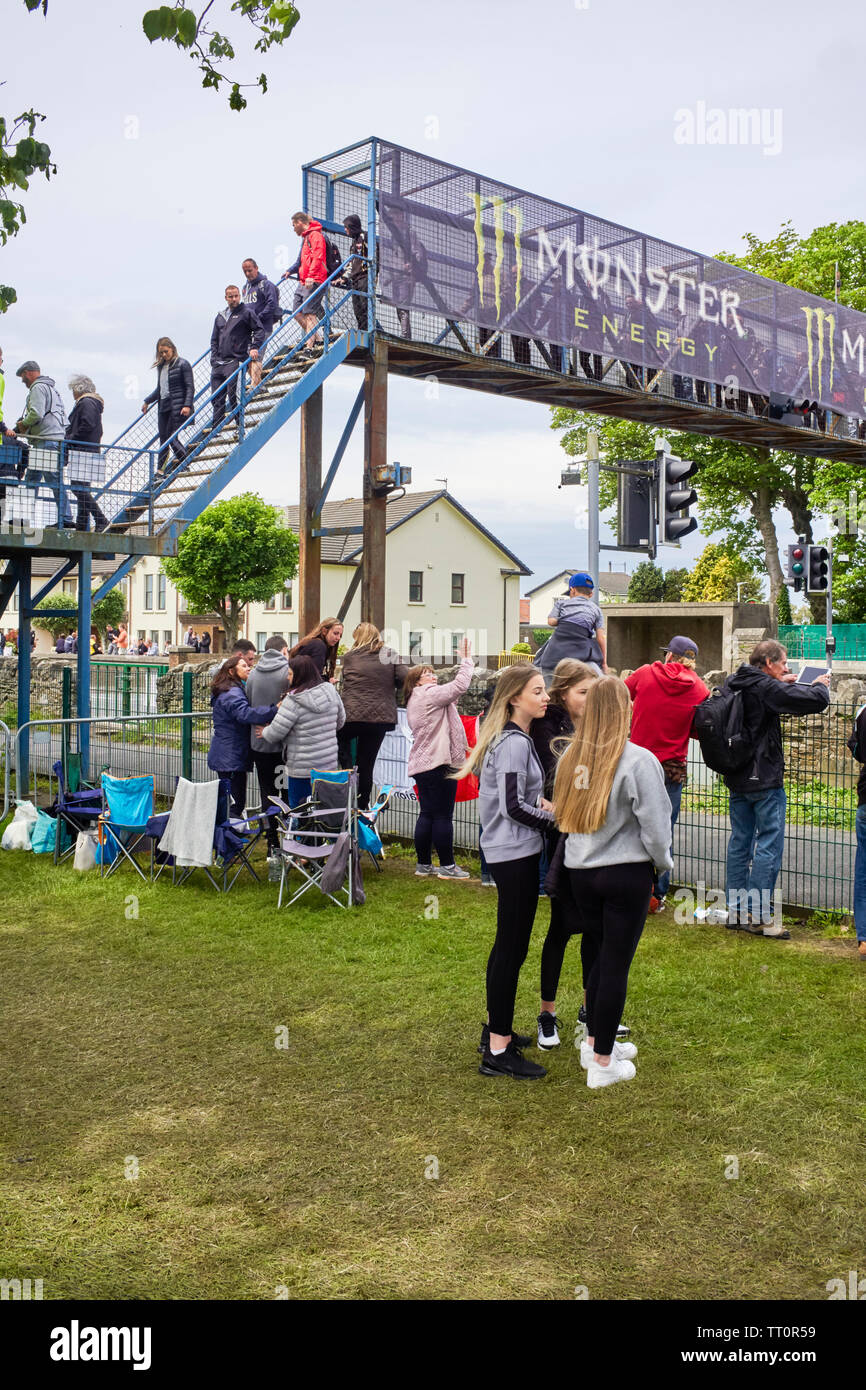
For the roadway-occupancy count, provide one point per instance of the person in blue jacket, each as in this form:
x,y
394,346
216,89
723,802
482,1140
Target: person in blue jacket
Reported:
x,y
229,755
237,334
264,299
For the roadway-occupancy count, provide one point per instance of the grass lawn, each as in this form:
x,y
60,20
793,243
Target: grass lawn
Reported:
x,y
148,1044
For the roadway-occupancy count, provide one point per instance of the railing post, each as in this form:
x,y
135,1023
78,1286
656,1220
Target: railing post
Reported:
x,y
125,690
242,399
66,711
24,598
186,728
82,694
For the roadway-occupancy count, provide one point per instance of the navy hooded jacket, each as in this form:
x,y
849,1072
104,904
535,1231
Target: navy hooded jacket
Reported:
x,y
263,299
85,421
233,336
233,716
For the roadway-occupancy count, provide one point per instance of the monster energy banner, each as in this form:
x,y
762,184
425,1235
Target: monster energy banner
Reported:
x,y
465,248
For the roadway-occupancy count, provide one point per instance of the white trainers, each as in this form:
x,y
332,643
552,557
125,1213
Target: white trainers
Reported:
x,y
622,1052
618,1069
548,1035
451,871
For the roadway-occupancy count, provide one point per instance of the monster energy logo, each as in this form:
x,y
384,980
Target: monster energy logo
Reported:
x,y
815,320
499,210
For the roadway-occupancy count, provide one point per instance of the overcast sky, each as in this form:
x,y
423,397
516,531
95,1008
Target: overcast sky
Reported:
x,y
162,191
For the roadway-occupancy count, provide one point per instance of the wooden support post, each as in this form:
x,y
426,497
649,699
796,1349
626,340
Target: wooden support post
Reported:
x,y
310,559
375,455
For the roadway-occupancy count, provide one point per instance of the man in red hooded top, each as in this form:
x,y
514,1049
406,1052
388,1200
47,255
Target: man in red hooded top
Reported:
x,y
664,695
312,271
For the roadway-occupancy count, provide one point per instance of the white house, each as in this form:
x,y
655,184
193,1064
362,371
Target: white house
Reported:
x,y
446,577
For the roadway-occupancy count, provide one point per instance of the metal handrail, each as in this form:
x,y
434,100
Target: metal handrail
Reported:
x,y
6,734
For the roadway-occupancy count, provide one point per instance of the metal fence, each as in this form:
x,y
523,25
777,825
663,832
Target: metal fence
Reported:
x,y
820,782
821,787
809,641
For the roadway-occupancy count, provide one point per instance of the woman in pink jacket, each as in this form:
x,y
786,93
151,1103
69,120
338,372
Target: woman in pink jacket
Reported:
x,y
438,750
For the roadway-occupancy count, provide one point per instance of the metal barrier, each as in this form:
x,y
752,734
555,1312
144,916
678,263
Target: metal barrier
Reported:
x,y
6,757
820,841
808,642
512,659
65,484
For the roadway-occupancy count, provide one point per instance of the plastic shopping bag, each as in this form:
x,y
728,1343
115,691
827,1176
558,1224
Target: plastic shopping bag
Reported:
x,y
85,850
18,831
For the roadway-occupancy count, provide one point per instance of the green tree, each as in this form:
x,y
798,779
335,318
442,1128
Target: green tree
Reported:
x,y
238,551
108,612
740,486
647,584
22,155
675,583
717,575
783,607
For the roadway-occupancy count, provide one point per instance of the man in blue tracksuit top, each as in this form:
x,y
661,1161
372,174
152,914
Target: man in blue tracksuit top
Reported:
x,y
263,298
237,334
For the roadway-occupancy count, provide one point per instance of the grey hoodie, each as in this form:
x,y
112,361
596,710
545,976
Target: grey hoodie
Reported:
x,y
267,683
44,416
511,781
308,722
637,827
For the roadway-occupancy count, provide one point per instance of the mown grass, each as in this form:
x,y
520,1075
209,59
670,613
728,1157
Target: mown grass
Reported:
x,y
153,1037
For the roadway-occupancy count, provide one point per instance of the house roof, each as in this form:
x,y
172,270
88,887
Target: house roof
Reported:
x,y
614,582
561,574
346,550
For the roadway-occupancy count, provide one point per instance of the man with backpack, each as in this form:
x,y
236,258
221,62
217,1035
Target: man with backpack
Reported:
x,y
313,270
857,744
741,736
664,695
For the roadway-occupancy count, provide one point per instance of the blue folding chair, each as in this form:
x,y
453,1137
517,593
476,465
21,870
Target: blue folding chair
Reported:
x,y
127,806
77,805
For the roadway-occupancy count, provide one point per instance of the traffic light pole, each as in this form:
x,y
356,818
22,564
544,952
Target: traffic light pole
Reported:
x,y
592,488
831,640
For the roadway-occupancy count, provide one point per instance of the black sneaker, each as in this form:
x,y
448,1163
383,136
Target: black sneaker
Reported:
x,y
547,1032
519,1039
511,1063
622,1031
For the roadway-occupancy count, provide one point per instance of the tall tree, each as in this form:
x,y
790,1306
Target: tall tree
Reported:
x,y
238,551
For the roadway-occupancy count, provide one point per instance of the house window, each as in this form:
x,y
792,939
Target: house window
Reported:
x,y
293,639
154,635
286,597
270,604
457,588
167,637
148,592
141,634
416,586
261,639
70,586
416,645
456,639
160,592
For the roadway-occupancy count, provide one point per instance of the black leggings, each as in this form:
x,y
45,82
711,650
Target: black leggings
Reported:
x,y
435,823
238,782
369,741
563,927
516,901
612,904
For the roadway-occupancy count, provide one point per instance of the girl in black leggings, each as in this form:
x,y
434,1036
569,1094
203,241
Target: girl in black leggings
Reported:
x,y
611,803
514,815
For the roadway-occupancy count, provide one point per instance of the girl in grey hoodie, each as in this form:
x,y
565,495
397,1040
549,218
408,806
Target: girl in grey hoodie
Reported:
x,y
306,723
514,815
611,802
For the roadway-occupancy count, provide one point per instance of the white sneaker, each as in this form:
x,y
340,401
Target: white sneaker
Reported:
x,y
622,1052
548,1035
616,1070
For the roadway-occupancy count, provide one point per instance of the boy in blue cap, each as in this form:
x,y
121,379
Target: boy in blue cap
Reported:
x,y
578,629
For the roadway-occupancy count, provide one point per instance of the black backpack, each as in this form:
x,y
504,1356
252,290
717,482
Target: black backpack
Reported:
x,y
333,255
720,728
854,744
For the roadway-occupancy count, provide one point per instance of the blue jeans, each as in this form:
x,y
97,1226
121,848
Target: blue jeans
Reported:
x,y
755,852
675,795
300,789
860,875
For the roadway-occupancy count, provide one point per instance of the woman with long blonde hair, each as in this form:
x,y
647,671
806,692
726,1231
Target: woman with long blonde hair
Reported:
x,y
372,673
610,801
514,816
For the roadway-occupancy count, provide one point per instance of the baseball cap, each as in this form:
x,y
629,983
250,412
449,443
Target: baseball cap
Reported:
x,y
582,580
28,367
681,646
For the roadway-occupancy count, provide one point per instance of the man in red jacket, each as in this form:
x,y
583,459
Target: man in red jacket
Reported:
x,y
312,271
664,695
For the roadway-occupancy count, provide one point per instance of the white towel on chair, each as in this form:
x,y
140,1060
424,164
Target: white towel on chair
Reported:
x,y
189,833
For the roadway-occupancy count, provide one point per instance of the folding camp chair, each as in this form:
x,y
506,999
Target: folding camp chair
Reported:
x,y
77,805
324,825
127,806
233,841
369,841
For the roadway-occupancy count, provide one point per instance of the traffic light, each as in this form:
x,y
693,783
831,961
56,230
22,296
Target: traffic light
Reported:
x,y
674,499
796,565
634,513
817,569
